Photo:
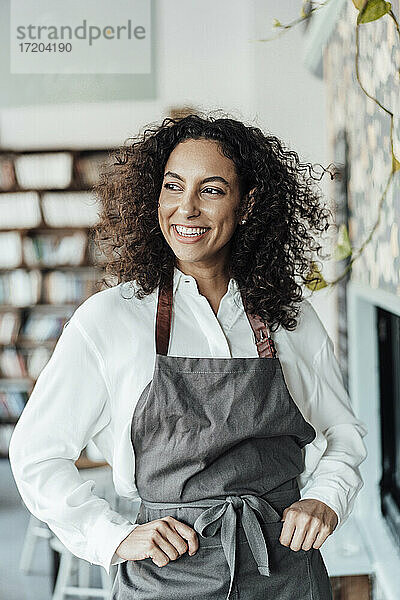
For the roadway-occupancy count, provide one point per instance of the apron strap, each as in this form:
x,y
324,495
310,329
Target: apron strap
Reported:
x,y
261,331
163,317
262,336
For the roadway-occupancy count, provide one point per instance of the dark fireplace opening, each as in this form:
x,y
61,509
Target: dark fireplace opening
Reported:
x,y
389,387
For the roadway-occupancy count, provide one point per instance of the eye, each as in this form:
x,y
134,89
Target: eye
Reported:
x,y
168,184
214,190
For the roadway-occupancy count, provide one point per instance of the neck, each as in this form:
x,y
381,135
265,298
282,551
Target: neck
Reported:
x,y
212,280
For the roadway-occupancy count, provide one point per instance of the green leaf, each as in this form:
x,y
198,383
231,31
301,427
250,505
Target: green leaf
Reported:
x,y
343,247
314,279
395,164
276,23
359,3
374,10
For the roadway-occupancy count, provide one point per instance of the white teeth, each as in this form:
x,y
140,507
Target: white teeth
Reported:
x,y
190,231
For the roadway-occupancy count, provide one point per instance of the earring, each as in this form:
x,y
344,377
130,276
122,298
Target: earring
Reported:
x,y
243,221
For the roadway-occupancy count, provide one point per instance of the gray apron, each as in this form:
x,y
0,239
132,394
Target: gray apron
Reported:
x,y
218,445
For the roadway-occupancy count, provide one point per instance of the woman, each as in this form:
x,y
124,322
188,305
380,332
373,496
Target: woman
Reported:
x,y
212,390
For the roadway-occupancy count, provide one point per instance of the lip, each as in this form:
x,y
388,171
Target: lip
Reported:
x,y
186,240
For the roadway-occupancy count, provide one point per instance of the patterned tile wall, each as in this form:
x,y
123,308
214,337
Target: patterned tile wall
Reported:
x,y
368,131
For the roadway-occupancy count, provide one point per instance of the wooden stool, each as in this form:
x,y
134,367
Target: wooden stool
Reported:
x,y
72,566
36,530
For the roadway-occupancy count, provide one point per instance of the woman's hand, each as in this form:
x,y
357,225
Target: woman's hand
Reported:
x,y
161,540
307,523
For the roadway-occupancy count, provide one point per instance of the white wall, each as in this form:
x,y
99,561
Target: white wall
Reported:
x,y
290,103
289,99
207,56
202,57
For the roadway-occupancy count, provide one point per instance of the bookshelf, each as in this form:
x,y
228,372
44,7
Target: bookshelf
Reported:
x,y
48,261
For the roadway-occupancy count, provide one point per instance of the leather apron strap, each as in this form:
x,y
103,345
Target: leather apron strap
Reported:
x,y
262,335
163,318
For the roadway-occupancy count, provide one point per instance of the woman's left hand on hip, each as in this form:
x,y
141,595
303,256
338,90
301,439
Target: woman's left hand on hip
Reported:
x,y
307,523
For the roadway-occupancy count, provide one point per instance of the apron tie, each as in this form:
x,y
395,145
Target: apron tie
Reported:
x,y
222,514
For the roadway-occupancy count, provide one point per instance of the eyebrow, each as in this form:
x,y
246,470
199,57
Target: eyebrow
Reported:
x,y
212,178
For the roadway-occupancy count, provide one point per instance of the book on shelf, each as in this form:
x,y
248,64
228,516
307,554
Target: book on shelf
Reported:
x,y
42,250
20,287
51,250
27,362
19,210
7,173
24,362
10,249
10,322
63,287
12,403
40,327
70,209
36,359
12,364
5,436
44,170
23,287
90,165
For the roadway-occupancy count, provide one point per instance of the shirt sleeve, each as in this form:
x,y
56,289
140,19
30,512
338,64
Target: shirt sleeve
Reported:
x,y
336,480
67,407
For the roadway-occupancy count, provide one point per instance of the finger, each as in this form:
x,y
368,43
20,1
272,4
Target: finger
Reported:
x,y
159,557
187,533
311,534
167,528
298,537
287,532
190,536
161,539
293,531
323,533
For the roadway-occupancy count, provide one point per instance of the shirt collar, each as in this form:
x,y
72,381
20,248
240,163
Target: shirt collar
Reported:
x,y
188,284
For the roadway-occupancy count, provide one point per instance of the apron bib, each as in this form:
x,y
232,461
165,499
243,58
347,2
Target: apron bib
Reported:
x,y
218,445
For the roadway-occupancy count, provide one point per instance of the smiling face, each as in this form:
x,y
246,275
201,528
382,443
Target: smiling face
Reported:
x,y
197,203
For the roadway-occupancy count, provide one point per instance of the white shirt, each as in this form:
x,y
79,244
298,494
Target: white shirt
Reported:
x,y
103,360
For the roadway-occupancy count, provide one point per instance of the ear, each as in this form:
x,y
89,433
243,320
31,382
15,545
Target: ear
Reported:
x,y
248,202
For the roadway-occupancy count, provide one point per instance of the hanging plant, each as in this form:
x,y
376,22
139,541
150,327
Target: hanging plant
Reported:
x,y
314,279
371,10
368,11
343,247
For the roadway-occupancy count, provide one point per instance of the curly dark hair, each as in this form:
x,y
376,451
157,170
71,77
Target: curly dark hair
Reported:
x,y
271,255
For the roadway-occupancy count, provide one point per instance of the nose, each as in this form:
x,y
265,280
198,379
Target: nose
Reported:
x,y
189,202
